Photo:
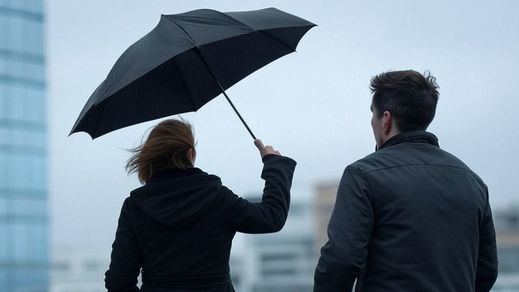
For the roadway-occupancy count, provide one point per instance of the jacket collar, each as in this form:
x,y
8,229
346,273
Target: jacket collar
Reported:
x,y
170,173
412,137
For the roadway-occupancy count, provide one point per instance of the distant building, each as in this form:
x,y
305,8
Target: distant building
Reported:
x,y
24,220
323,202
507,232
278,262
77,270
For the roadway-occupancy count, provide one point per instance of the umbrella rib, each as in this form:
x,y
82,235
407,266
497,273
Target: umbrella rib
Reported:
x,y
190,37
260,31
197,48
99,120
195,105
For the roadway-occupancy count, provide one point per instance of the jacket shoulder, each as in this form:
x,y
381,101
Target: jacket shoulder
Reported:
x,y
374,161
401,156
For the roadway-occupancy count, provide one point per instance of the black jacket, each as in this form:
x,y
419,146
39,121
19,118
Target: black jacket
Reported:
x,y
409,217
178,228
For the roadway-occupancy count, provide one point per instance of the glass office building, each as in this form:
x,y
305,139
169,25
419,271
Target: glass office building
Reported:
x,y
24,255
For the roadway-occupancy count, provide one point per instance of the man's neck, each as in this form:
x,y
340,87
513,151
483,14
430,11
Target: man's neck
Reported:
x,y
390,135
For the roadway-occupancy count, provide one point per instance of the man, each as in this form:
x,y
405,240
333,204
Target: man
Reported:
x,y
410,216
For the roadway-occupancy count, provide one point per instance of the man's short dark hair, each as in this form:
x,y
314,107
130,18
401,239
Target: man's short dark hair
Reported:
x,y
409,96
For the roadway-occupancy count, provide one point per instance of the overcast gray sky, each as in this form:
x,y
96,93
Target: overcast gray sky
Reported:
x,y
312,105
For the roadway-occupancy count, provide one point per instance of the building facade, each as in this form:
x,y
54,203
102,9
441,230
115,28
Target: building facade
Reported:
x,y
24,220
506,221
78,270
277,262
323,202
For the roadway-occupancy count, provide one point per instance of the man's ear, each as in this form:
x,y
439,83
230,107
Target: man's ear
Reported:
x,y
387,122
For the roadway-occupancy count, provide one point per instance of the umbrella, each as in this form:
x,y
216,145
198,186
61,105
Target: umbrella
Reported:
x,y
184,62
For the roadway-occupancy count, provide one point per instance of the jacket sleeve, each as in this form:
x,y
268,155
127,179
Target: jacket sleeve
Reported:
x,y
349,233
125,262
486,273
271,213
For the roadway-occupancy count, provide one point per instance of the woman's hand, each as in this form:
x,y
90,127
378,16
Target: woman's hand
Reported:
x,y
265,150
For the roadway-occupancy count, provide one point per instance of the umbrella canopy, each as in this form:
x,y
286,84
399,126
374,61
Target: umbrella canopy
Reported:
x,y
184,62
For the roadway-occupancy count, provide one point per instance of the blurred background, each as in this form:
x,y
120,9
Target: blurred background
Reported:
x,y
60,196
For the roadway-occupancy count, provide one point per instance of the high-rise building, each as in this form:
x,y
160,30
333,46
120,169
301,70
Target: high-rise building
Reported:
x,y
23,148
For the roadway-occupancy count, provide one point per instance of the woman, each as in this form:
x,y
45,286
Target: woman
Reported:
x,y
177,228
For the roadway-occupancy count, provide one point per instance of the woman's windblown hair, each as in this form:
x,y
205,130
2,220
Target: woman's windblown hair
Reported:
x,y
167,146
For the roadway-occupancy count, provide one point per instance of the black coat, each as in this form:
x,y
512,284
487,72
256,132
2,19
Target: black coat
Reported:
x,y
409,217
178,228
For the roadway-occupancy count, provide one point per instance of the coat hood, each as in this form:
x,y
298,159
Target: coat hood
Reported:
x,y
177,198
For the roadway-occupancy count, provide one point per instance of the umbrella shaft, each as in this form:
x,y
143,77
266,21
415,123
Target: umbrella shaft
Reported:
x,y
236,111
223,90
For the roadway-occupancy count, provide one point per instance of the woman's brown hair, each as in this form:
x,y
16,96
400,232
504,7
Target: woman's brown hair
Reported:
x,y
167,146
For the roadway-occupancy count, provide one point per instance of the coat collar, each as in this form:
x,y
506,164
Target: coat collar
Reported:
x,y
412,137
170,173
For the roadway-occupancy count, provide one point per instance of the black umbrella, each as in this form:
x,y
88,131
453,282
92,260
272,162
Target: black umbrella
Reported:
x,y
184,62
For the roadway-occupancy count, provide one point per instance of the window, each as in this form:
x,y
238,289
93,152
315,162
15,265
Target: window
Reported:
x,y
20,241
38,246
4,241
21,172
4,31
24,5
21,32
31,71
24,104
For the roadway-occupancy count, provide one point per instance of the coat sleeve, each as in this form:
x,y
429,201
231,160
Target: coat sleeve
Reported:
x,y
271,213
486,273
349,233
125,262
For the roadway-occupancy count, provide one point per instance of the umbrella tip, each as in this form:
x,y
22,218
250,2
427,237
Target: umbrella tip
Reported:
x,y
92,136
